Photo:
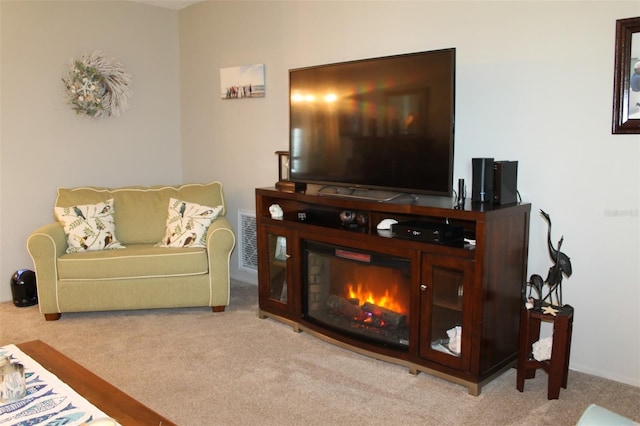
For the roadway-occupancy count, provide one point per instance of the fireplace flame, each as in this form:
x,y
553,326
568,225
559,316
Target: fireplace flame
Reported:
x,y
363,294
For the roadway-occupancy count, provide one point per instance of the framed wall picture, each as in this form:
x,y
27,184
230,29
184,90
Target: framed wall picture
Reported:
x,y
244,81
626,85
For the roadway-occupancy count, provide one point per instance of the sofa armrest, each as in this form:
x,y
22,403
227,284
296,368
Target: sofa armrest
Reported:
x,y
45,245
221,241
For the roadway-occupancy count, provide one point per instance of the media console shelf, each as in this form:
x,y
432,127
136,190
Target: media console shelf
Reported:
x,y
472,288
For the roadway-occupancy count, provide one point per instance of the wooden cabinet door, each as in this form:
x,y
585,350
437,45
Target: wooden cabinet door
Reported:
x,y
445,310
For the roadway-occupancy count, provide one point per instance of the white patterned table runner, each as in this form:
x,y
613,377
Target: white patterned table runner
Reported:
x,y
48,401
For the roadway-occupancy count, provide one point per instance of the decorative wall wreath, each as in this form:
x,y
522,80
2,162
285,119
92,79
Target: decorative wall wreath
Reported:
x,y
97,85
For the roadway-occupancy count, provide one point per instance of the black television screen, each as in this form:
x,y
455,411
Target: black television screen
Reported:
x,y
384,123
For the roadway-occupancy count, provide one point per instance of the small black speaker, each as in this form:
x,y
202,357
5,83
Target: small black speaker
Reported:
x,y
505,182
482,183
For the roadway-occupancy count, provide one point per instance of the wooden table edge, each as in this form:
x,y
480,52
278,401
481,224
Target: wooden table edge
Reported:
x,y
108,398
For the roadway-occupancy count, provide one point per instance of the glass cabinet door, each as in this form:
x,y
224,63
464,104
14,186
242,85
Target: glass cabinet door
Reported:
x,y
444,313
277,268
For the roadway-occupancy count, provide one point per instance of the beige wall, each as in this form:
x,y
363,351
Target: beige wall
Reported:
x,y
45,145
534,84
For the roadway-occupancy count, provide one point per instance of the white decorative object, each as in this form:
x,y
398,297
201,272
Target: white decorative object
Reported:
x,y
276,212
455,339
97,85
12,384
42,404
385,224
281,248
542,349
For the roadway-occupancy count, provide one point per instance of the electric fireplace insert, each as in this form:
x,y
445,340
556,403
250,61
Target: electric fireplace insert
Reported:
x,y
361,294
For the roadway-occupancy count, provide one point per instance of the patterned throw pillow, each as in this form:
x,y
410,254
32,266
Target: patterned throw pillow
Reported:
x,y
89,227
187,224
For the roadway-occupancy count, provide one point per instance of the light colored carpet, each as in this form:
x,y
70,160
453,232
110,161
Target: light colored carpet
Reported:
x,y
200,368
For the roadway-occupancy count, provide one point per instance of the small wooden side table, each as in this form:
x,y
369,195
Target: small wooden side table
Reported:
x,y
558,366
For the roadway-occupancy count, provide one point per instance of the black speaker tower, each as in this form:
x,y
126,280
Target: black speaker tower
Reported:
x,y
482,183
505,185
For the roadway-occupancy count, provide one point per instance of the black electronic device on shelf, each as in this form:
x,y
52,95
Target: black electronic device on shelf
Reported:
x,y
483,172
494,181
431,232
505,182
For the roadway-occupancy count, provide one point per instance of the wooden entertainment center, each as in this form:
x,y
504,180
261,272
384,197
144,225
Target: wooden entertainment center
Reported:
x,y
476,285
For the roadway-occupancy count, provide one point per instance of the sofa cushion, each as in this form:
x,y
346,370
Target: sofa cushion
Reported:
x,y
135,261
89,226
141,212
187,224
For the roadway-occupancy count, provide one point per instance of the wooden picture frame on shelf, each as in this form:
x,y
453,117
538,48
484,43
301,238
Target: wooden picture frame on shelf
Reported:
x,y
284,184
626,83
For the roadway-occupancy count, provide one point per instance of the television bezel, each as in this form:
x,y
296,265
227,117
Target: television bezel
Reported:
x,y
363,186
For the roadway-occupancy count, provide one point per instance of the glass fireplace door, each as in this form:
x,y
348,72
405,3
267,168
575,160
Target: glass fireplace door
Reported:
x,y
361,294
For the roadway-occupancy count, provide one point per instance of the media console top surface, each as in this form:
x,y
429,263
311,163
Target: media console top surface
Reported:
x,y
398,199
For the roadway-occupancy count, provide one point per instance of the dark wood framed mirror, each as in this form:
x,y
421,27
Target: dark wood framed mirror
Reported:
x,y
626,84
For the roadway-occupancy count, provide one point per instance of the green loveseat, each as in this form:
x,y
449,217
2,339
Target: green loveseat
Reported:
x,y
141,275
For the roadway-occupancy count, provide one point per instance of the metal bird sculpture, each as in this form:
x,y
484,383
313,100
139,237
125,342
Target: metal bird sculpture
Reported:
x,y
535,283
561,266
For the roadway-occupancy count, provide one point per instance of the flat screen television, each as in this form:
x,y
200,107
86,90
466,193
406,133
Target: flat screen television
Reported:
x,y
384,123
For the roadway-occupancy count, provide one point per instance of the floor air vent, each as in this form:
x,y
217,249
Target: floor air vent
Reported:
x,y
248,248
